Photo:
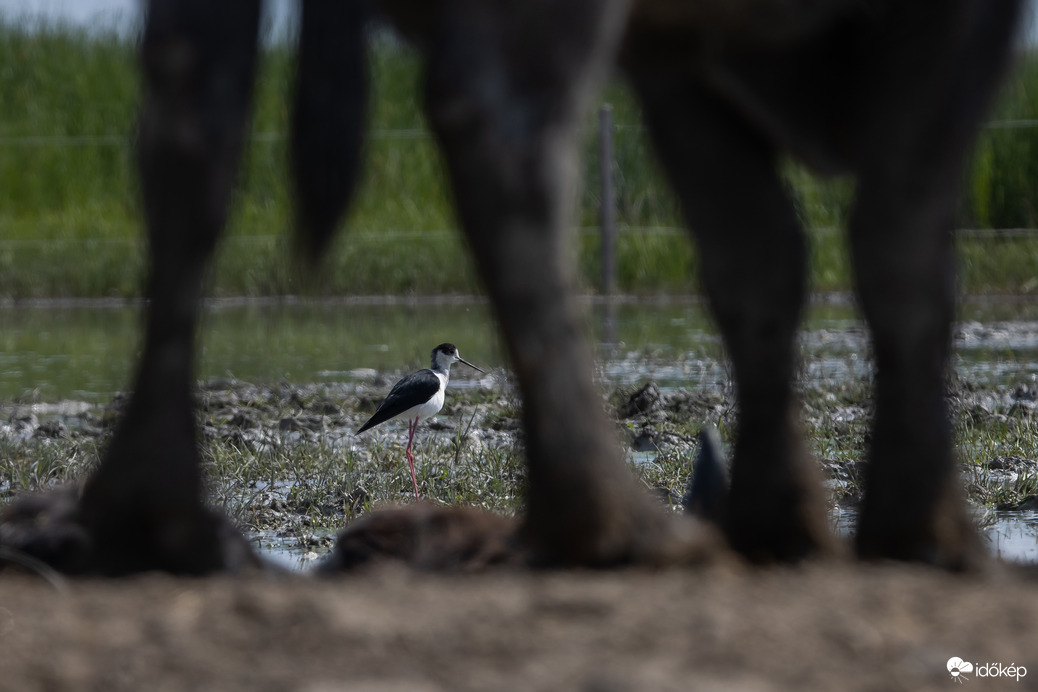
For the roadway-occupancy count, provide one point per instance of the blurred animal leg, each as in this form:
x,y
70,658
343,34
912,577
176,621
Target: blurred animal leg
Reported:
x,y
144,505
753,261
505,93
902,251
902,247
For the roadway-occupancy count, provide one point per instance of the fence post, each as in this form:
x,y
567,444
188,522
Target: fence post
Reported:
x,y
607,211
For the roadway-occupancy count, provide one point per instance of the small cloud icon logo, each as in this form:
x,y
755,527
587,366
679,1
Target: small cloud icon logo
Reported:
x,y
957,668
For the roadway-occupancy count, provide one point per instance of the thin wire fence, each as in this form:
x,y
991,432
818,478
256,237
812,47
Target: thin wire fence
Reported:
x,y
112,140
403,134
121,140
393,236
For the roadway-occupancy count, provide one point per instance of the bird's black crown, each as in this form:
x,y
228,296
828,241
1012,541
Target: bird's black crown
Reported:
x,y
445,348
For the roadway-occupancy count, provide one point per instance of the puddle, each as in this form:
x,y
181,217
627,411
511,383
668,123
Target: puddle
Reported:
x,y
289,552
83,353
1014,536
1010,535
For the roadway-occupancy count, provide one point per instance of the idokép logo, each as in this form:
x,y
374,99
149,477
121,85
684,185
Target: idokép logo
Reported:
x,y
958,670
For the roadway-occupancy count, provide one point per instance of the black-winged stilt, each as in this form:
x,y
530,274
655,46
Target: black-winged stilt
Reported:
x,y
418,396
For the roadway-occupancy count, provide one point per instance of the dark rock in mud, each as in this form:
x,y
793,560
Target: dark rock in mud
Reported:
x,y
440,424
1029,504
696,405
643,401
666,496
245,419
651,403
655,437
300,423
316,404
1009,469
52,429
24,423
1026,392
644,441
1011,463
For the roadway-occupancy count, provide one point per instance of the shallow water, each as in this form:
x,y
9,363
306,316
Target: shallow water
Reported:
x,y
1010,535
85,353
286,551
1013,535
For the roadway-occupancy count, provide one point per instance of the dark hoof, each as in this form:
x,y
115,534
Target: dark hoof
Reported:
x,y
192,543
962,554
45,527
49,527
764,540
779,523
944,537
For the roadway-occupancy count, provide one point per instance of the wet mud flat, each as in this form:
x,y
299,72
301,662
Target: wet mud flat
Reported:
x,y
283,460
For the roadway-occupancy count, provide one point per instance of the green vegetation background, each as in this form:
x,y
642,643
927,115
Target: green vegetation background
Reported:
x,y
70,219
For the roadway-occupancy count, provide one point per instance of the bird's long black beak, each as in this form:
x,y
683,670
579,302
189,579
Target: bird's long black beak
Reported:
x,y
462,360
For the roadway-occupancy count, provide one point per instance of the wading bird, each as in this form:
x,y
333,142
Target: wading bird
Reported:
x,y
418,396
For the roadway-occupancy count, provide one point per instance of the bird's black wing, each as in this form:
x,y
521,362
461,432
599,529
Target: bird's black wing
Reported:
x,y
416,388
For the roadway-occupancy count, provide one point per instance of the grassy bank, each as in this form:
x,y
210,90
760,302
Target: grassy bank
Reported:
x,y
69,216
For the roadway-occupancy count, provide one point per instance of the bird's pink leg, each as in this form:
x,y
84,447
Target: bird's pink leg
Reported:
x,y
412,426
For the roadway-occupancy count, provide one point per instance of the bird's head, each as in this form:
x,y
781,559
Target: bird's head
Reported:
x,y
445,354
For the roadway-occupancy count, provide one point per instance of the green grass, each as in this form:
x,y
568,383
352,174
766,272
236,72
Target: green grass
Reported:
x,y
310,488
70,218
39,465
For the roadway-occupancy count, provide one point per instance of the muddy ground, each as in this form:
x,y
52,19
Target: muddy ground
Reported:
x,y
833,626
823,627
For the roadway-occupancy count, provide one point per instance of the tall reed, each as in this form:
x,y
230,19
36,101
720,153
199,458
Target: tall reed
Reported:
x,y
70,218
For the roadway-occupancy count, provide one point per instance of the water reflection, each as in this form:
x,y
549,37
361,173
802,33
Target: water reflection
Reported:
x,y
85,353
288,552
1013,535
1010,535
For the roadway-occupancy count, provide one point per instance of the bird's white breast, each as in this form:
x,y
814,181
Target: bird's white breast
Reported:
x,y
431,407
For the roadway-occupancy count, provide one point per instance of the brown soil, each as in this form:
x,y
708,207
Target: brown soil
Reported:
x,y
824,627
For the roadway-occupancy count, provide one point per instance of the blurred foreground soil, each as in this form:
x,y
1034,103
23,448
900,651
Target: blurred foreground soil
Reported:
x,y
818,627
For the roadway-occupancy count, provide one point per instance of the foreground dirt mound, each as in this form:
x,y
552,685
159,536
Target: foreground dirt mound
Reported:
x,y
819,627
